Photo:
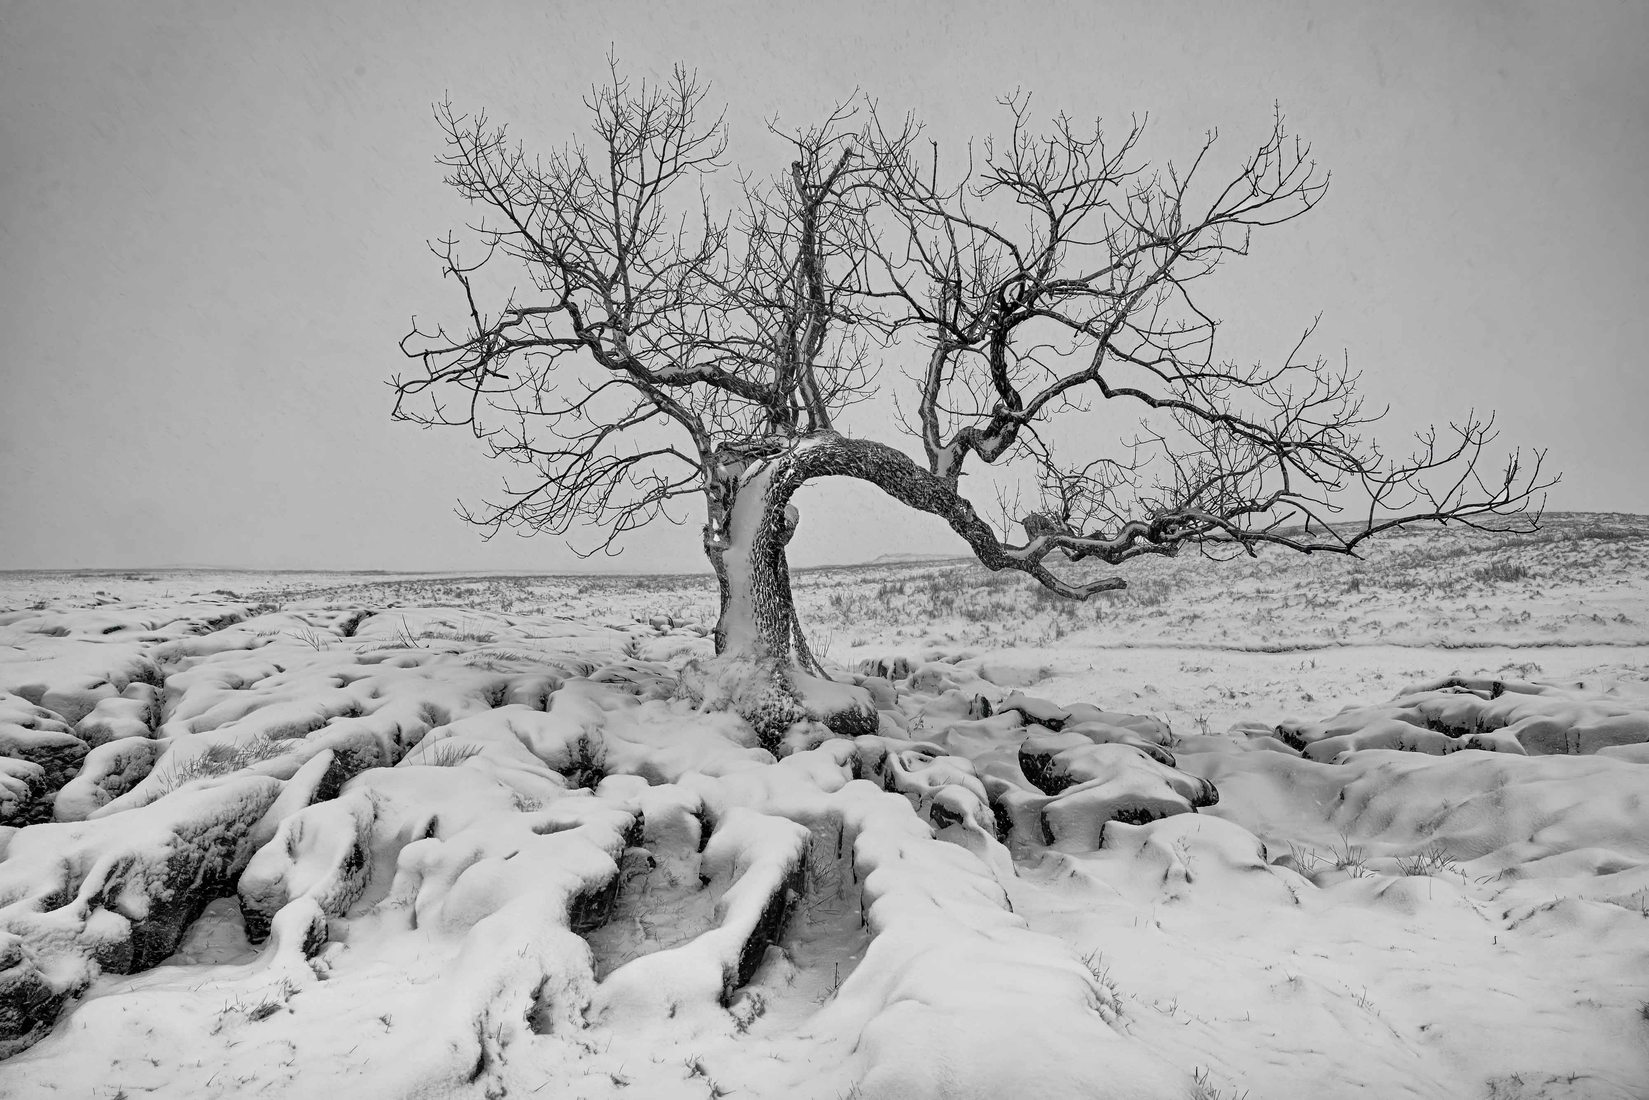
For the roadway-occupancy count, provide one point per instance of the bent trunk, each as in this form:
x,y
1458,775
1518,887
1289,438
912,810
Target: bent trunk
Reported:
x,y
763,668
752,519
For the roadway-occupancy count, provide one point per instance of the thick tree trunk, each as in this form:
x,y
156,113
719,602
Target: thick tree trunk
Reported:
x,y
763,669
752,520
758,614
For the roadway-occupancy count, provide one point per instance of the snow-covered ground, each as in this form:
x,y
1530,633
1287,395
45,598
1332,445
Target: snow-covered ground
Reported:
x,y
1277,827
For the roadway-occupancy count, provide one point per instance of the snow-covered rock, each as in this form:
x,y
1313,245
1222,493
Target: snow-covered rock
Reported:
x,y
450,851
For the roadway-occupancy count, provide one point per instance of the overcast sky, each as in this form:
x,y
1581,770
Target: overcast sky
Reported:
x,y
213,215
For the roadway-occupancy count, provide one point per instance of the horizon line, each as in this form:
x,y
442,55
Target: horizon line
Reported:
x,y
573,570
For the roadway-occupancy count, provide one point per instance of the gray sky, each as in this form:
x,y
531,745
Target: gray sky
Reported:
x,y
213,215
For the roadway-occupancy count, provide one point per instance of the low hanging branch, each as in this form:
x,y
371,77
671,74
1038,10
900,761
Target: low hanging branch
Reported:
x,y
653,349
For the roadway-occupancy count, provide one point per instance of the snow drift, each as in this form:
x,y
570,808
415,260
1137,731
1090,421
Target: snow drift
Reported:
x,y
252,849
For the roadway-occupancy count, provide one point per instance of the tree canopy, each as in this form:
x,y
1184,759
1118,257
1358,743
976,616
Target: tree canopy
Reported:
x,y
631,337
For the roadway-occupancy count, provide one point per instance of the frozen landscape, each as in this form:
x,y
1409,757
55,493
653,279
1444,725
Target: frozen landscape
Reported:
x,y
1234,413
1273,828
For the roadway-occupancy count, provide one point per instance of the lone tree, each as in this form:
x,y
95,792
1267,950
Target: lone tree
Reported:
x,y
627,345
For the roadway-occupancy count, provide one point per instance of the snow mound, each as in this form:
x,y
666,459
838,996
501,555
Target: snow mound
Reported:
x,y
1495,715
429,851
114,895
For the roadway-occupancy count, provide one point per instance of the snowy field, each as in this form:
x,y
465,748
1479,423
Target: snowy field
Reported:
x,y
1274,828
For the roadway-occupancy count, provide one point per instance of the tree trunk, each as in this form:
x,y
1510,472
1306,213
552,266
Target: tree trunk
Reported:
x,y
763,669
752,520
756,605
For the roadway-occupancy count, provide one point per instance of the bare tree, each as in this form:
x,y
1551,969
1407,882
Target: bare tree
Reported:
x,y
663,350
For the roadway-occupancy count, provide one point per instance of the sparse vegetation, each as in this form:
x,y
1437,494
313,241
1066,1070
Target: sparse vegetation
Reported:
x,y
1502,572
1110,997
746,1010
1344,856
252,1009
1202,1088
312,638
217,759
1431,860
443,752
404,638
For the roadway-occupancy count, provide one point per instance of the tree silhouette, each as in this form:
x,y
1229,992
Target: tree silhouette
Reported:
x,y
661,349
